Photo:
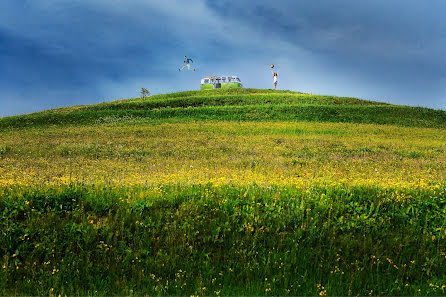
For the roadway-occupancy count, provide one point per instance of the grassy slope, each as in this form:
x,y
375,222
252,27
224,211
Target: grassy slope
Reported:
x,y
88,236
233,104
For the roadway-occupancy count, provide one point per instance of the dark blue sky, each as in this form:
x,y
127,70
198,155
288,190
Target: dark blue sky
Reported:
x,y
57,53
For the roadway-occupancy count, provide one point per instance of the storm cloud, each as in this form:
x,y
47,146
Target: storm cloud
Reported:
x,y
67,52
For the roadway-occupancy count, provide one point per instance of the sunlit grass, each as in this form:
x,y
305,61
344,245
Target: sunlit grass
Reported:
x,y
240,153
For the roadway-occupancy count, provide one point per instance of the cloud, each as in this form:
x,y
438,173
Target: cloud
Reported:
x,y
67,52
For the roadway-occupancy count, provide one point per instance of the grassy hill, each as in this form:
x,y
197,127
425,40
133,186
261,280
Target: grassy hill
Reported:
x,y
239,105
226,192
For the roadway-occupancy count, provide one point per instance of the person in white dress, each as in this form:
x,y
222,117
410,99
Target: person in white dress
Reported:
x,y
275,73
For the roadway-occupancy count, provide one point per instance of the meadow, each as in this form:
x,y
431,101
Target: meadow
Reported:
x,y
227,192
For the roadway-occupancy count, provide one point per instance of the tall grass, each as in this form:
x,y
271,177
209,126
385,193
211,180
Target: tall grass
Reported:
x,y
207,240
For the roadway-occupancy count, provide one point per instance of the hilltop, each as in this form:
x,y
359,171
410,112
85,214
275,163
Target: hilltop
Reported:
x,y
238,105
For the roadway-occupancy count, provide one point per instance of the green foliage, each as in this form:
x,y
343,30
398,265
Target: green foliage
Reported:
x,y
144,93
80,240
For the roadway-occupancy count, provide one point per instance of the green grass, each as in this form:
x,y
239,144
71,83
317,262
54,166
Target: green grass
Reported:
x,y
237,105
232,240
366,214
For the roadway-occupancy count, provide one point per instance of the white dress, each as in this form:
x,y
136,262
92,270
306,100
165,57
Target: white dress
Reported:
x,y
275,76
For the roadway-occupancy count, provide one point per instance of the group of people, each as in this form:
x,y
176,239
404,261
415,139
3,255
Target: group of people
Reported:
x,y
188,61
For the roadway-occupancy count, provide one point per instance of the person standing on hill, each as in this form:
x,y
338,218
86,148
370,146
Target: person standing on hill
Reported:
x,y
187,62
275,73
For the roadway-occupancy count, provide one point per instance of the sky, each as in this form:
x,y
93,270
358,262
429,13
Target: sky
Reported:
x,y
56,53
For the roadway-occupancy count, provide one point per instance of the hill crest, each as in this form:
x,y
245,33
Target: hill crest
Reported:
x,y
236,104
